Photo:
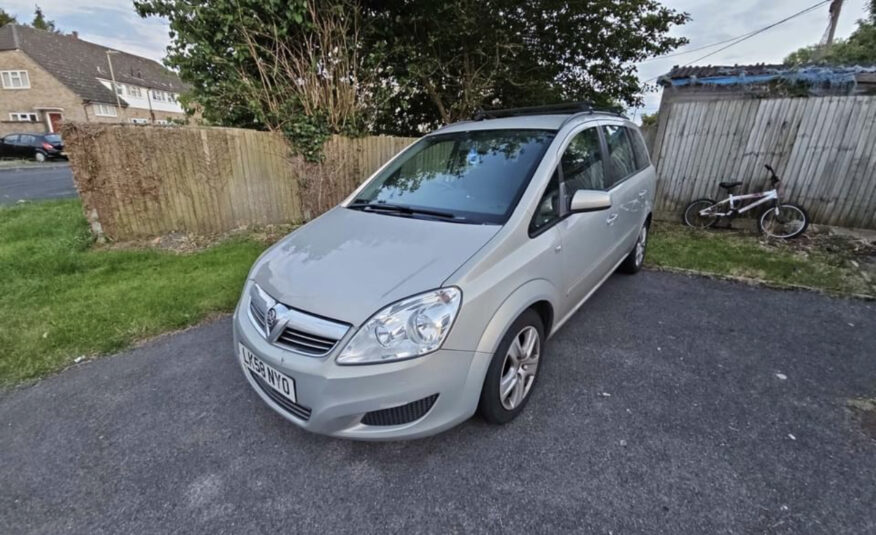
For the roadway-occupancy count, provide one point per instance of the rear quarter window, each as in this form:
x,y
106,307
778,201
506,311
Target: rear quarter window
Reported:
x,y
640,150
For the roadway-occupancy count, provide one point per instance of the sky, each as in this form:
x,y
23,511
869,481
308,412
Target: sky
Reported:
x,y
114,23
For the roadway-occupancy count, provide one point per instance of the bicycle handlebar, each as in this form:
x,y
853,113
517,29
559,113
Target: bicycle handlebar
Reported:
x,y
774,177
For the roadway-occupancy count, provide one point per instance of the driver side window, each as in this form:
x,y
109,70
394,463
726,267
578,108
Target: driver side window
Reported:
x,y
582,163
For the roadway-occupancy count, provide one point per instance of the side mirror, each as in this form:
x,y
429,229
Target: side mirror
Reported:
x,y
588,200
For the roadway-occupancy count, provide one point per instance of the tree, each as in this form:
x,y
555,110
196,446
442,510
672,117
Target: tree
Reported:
x,y
859,48
404,66
447,59
291,66
40,22
6,18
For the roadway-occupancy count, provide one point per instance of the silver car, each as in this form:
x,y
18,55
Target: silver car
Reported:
x,y
428,294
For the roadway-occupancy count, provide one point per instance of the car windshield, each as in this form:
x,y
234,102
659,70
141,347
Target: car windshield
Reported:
x,y
53,138
474,177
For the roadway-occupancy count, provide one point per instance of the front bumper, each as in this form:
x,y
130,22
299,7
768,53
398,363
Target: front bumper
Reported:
x,y
338,397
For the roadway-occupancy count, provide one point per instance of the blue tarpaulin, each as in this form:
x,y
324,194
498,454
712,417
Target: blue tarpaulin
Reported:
x,y
813,76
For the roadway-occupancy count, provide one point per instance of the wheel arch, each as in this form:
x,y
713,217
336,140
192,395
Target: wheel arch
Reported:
x,y
538,294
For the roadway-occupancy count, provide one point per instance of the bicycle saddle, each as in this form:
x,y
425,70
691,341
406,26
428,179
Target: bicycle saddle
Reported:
x,y
730,185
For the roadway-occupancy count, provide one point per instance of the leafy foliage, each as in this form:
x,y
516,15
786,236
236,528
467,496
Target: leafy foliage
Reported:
x,y
859,48
448,59
288,66
6,18
403,66
41,23
39,20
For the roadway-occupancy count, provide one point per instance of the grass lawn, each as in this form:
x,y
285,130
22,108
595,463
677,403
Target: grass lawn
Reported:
x,y
826,262
60,298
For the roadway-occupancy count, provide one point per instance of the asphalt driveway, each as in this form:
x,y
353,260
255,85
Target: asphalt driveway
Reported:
x,y
669,404
36,182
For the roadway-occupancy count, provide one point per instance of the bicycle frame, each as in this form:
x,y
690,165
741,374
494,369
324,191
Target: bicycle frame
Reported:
x,y
733,202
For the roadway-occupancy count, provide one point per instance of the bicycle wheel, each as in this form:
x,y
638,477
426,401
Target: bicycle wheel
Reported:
x,y
784,221
693,218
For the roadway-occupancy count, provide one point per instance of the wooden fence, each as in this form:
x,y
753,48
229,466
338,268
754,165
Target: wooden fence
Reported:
x,y
824,149
139,181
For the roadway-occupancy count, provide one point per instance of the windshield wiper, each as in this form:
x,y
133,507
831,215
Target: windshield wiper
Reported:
x,y
361,204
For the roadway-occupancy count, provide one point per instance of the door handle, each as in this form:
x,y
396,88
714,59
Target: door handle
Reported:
x,y
558,248
611,219
643,193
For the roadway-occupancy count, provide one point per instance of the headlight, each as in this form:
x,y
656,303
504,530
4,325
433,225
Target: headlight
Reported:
x,y
410,328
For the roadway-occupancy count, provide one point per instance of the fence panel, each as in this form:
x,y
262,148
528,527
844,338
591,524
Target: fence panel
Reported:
x,y
823,147
138,181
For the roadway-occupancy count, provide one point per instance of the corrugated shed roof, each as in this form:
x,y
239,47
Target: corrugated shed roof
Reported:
x,y
833,77
78,64
707,71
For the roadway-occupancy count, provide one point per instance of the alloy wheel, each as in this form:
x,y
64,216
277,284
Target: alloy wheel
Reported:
x,y
640,245
519,368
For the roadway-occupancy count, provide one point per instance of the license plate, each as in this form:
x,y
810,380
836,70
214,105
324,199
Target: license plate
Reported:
x,y
283,384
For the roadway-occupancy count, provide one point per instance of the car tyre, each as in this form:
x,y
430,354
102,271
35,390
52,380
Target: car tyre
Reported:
x,y
636,259
39,156
514,368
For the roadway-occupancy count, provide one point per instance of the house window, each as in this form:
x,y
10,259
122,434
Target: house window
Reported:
x,y
134,91
24,117
120,90
137,120
15,79
104,110
158,96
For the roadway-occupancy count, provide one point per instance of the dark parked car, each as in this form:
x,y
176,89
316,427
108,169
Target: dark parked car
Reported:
x,y
40,147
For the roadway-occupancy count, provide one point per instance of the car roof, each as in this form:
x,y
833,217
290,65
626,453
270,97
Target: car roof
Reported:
x,y
523,122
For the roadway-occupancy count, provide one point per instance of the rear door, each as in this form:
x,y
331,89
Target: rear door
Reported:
x,y
629,186
25,148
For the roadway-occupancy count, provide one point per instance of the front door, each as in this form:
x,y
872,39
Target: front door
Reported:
x,y
589,238
55,121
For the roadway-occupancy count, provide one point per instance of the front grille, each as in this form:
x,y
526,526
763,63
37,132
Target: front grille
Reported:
x,y
306,343
258,315
299,411
400,415
296,338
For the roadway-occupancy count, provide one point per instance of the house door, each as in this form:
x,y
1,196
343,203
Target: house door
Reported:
x,y
55,120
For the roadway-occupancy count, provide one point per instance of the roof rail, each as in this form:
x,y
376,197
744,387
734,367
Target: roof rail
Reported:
x,y
550,109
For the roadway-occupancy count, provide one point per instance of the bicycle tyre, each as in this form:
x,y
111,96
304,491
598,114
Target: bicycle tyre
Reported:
x,y
690,215
787,207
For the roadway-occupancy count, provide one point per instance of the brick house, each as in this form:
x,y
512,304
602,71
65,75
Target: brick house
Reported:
x,y
47,78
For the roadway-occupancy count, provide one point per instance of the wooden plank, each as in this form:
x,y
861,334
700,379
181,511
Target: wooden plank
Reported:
x,y
669,159
686,135
794,181
858,173
839,173
821,139
700,155
828,164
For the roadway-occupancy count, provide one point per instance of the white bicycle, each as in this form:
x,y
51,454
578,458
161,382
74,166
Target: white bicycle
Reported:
x,y
780,220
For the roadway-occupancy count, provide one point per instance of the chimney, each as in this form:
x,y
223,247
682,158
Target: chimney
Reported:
x,y
74,35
